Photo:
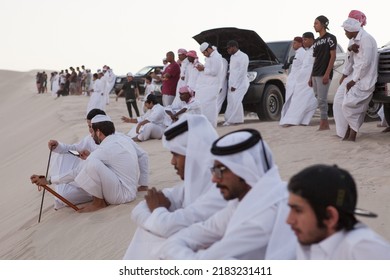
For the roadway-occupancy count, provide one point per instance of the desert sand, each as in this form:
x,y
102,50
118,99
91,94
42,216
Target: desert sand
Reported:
x,y
29,120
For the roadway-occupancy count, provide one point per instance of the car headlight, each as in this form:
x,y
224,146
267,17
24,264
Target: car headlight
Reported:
x,y
252,76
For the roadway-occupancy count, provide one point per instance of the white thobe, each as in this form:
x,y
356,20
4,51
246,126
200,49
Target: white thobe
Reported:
x,y
360,243
294,71
193,107
253,228
155,128
208,86
154,227
181,82
349,107
111,172
192,75
301,102
110,82
64,168
97,99
238,79
55,85
224,85
194,200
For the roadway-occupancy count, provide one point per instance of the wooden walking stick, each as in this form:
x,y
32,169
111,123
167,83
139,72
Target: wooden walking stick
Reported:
x,y
63,199
43,194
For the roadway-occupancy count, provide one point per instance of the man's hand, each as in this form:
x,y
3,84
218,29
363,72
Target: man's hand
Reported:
x,y
350,84
310,83
200,67
325,79
125,119
138,128
39,180
52,144
84,154
155,199
354,48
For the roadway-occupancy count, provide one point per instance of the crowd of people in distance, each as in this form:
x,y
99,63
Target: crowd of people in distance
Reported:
x,y
231,202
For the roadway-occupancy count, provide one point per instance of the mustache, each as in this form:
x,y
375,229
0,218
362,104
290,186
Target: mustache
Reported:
x,y
219,186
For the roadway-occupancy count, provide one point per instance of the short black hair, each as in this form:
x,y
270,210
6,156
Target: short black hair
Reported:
x,y
325,185
232,43
151,99
91,114
309,35
107,128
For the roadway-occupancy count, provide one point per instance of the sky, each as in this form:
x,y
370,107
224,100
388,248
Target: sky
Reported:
x,y
129,34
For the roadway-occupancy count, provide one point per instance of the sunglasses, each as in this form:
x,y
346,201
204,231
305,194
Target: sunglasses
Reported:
x,y
217,171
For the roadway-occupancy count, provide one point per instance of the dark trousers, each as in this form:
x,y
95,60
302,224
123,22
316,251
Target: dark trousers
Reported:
x,y
134,104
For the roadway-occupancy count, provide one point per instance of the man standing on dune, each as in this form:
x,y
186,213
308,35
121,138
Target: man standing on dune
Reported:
x,y
238,84
357,83
208,84
324,52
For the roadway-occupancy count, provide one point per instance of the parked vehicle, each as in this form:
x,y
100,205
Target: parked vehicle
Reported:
x,y
138,77
267,71
382,87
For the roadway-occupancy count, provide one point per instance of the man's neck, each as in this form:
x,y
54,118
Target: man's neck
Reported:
x,y
322,32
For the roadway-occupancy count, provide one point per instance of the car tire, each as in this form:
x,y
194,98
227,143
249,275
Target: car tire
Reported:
x,y
372,111
270,107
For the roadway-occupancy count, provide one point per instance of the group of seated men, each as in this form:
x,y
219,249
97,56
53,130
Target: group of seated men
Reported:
x,y
231,202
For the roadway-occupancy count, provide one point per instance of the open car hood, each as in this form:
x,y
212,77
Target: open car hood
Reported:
x,y
249,42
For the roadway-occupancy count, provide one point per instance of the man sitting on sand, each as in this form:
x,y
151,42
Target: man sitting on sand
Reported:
x,y
64,166
187,105
252,225
149,126
323,206
110,172
165,212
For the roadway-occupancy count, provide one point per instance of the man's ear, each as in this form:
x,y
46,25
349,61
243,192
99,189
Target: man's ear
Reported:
x,y
332,218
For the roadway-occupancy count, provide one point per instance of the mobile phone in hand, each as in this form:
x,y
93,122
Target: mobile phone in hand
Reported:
x,y
75,153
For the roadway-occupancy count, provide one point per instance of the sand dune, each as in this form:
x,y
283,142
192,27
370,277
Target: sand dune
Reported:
x,y
29,120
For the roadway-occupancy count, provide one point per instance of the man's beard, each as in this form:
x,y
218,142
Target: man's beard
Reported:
x,y
96,139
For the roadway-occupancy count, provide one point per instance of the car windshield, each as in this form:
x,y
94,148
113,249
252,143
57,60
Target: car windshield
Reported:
x,y
143,71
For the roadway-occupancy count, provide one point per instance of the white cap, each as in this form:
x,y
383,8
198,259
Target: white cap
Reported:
x,y
204,46
100,118
352,25
129,74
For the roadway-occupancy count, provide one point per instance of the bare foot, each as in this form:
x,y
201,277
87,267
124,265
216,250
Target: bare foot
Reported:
x,y
352,135
346,136
95,205
143,188
287,125
324,125
135,139
387,129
